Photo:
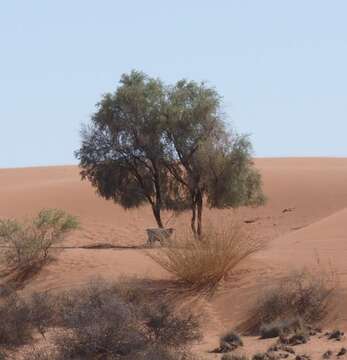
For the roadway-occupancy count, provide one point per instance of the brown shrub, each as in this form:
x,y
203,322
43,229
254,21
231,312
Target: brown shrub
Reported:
x,y
300,298
280,327
99,320
165,327
15,322
99,317
234,357
20,317
105,320
204,263
35,353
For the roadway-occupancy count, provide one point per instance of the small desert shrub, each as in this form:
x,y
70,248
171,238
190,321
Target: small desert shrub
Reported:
x,y
20,317
41,311
15,322
335,334
266,356
232,337
271,330
204,263
161,353
97,324
100,320
229,342
135,291
103,320
28,243
167,328
278,346
302,295
41,354
279,327
234,357
300,336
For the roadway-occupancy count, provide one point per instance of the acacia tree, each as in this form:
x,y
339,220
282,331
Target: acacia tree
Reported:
x,y
208,161
122,149
167,146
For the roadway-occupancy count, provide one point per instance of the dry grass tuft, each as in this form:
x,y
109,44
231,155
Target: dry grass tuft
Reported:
x,y
203,264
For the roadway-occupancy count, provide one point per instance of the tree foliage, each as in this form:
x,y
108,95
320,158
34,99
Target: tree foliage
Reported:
x,y
121,152
212,162
168,146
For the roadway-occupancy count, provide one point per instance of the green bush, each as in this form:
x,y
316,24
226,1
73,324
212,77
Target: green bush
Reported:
x,y
28,243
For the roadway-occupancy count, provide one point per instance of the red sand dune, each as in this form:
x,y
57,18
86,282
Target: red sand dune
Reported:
x,y
305,219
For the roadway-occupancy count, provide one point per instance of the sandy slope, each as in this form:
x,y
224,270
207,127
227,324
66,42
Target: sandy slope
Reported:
x,y
305,217
319,246
316,188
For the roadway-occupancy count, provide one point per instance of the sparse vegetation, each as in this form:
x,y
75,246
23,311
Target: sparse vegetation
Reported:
x,y
234,357
300,298
15,322
205,263
265,356
302,357
21,317
27,244
281,347
342,351
166,328
335,335
231,337
229,342
300,336
279,327
100,320
35,353
327,355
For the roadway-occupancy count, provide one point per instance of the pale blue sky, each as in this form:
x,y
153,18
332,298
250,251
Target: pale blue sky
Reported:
x,y
281,67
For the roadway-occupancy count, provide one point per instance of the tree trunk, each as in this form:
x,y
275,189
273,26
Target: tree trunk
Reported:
x,y
196,221
157,205
199,207
157,215
193,218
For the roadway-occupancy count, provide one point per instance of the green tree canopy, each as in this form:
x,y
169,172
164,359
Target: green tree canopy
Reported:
x,y
122,149
210,162
168,146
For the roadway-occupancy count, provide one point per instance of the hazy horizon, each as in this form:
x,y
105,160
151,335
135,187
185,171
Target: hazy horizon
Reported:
x,y
280,67
75,163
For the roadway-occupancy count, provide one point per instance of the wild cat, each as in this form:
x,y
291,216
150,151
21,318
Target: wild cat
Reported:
x,y
158,235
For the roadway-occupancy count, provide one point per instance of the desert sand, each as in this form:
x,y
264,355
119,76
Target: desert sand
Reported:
x,y
303,222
